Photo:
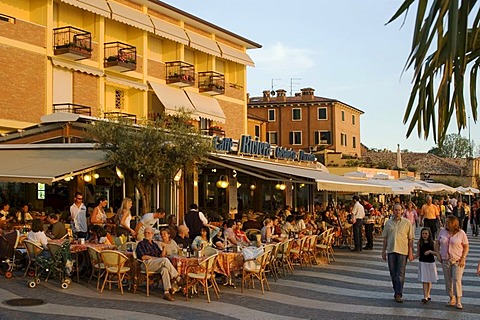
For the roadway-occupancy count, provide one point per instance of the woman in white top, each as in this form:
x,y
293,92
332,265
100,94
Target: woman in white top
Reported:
x,y
124,216
99,217
168,245
37,234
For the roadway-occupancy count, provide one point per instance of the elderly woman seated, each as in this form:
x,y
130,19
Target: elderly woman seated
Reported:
x,y
168,245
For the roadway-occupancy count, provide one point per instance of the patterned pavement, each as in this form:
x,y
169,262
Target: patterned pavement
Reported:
x,y
356,286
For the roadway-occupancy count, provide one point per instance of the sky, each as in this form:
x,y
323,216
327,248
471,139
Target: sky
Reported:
x,y
341,48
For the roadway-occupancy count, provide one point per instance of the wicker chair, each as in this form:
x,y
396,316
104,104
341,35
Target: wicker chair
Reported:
x,y
115,268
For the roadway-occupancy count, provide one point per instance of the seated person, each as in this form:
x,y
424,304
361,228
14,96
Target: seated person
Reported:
x,y
24,215
267,230
5,213
310,224
251,223
277,230
58,230
36,234
205,237
289,225
168,245
229,233
218,241
151,254
240,234
182,239
100,235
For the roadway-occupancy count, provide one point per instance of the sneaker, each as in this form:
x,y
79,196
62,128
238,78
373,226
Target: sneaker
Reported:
x,y
167,296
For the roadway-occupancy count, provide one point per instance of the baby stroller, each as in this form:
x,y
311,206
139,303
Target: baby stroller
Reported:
x,y
8,253
58,264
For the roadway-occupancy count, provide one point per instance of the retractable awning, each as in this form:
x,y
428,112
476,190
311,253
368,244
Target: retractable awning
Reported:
x,y
169,31
131,17
99,7
173,99
203,44
324,180
47,163
235,55
207,107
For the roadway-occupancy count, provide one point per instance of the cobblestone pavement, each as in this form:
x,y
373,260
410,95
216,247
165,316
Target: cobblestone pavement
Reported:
x,y
356,286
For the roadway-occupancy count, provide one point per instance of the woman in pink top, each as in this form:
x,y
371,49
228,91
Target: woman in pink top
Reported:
x,y
411,214
451,248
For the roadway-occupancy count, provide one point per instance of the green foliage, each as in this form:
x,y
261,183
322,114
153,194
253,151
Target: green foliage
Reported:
x,y
153,152
454,146
383,165
445,46
352,163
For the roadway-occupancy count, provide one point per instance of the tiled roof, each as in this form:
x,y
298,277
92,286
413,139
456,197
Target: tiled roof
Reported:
x,y
424,162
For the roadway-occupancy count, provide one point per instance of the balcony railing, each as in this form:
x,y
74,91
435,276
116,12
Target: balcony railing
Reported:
x,y
180,73
120,56
213,132
120,116
72,108
72,43
211,82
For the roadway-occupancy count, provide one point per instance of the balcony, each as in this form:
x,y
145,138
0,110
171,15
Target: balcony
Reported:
x,y
72,108
120,57
213,131
211,83
121,116
180,74
72,43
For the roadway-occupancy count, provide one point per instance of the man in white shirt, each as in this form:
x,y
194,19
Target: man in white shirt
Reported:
x,y
358,214
78,213
148,220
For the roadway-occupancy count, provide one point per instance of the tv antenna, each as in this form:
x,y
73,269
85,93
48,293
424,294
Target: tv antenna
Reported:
x,y
292,82
272,92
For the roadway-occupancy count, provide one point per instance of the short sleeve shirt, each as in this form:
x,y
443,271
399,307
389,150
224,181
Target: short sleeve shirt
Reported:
x,y
398,234
430,211
451,246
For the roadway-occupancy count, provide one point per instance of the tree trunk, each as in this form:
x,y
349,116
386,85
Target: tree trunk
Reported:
x,y
145,192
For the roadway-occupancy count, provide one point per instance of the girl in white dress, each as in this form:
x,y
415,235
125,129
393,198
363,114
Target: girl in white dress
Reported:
x,y
427,270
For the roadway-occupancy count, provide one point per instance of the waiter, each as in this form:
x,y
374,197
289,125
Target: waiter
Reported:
x,y
358,213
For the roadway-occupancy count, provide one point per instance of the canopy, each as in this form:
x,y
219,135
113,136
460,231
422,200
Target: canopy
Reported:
x,y
47,163
467,191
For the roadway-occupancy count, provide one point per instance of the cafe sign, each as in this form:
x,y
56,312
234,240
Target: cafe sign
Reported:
x,y
254,147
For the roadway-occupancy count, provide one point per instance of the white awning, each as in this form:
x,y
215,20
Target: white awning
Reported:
x,y
235,55
76,67
324,180
126,83
173,99
203,44
207,107
47,163
131,16
169,31
99,7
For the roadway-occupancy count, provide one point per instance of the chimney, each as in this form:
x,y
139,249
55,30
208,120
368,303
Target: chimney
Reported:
x,y
281,95
308,94
266,95
298,94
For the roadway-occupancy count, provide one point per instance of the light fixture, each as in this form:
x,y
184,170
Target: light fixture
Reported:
x,y
87,178
238,184
178,175
68,178
119,173
96,176
280,186
222,182
302,185
253,186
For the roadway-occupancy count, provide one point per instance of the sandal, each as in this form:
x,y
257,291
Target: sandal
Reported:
x,y
459,306
424,300
451,303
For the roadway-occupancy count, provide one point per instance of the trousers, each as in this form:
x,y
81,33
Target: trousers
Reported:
x,y
167,270
453,278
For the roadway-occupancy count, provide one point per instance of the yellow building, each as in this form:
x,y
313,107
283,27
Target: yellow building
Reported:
x,y
123,58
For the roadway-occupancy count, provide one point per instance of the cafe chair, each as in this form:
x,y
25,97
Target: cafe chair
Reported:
x,y
325,245
203,274
98,267
115,268
272,265
298,253
143,274
283,257
33,251
310,249
251,234
255,269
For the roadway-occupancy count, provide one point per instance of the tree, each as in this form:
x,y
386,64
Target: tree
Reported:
x,y
446,44
153,152
454,146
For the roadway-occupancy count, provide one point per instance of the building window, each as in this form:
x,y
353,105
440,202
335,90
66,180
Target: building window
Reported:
x,y
343,139
271,115
272,137
354,142
322,113
257,131
296,137
119,99
353,119
343,116
322,137
296,114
